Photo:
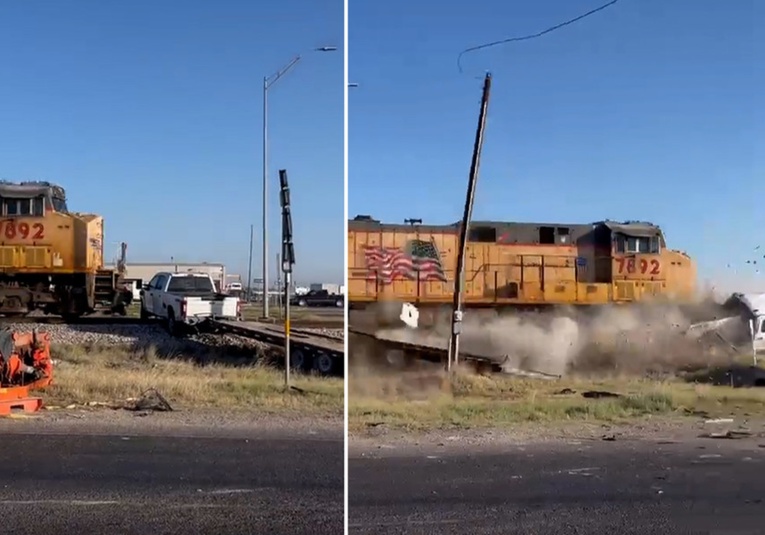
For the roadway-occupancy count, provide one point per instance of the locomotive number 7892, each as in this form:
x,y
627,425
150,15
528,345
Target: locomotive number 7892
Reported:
x,y
10,230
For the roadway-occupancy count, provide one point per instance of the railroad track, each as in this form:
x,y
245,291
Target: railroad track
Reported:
x,y
86,320
133,320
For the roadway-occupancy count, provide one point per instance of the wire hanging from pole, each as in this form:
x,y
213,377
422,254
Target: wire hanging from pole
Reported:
x,y
533,35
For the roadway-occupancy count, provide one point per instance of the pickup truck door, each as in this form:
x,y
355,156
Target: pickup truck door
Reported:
x,y
147,295
157,294
758,340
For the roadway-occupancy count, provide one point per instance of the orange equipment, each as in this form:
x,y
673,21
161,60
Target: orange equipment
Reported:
x,y
25,364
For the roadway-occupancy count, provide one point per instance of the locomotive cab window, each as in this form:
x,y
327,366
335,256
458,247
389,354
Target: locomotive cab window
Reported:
x,y
637,244
12,207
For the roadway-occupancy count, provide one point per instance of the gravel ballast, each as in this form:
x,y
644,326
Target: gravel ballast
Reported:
x,y
114,334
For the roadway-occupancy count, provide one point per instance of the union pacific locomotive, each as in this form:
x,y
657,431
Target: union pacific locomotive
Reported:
x,y
516,264
52,259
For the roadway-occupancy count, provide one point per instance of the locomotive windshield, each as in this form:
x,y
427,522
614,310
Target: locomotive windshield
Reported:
x,y
59,205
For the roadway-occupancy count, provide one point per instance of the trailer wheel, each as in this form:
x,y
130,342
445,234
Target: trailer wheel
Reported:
x,y
396,359
324,364
300,360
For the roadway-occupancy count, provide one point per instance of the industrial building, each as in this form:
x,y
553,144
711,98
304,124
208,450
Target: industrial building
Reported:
x,y
140,273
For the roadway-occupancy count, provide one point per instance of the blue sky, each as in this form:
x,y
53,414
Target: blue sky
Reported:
x,y
150,113
648,110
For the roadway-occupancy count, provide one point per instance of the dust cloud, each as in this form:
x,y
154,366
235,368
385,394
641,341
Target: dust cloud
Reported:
x,y
634,339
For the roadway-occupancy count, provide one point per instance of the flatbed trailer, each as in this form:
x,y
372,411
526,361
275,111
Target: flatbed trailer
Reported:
x,y
431,351
437,352
308,351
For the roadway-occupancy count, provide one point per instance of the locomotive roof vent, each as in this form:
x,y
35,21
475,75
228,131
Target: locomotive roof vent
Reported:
x,y
365,218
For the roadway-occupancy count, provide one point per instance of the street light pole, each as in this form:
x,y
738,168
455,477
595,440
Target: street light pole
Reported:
x,y
268,81
249,269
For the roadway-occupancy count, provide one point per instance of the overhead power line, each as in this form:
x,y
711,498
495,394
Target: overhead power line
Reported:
x,y
533,35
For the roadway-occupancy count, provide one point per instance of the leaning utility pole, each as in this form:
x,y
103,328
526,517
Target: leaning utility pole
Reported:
x,y
288,260
459,276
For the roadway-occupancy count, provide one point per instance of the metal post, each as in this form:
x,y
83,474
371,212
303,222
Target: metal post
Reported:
x,y
249,270
454,340
265,197
279,283
286,330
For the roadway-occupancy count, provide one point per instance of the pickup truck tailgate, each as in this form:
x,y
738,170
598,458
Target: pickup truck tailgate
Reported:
x,y
222,308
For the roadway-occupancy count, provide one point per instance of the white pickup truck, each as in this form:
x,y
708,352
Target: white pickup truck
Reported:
x,y
183,300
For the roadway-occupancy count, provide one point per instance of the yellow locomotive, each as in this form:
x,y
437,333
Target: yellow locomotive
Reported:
x,y
52,259
516,264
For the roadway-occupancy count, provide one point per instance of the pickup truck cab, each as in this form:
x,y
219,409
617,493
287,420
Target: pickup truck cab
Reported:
x,y
183,300
318,298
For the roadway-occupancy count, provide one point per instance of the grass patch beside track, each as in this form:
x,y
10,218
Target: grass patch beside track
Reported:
x,y
114,374
429,401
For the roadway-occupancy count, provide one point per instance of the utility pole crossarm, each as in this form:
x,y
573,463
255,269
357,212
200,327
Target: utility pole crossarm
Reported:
x,y
268,81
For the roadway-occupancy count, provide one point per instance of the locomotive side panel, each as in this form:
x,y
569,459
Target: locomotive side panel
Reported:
x,y
92,242
517,263
394,262
681,275
37,244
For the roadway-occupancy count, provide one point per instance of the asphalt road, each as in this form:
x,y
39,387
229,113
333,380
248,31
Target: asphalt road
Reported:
x,y
706,486
158,485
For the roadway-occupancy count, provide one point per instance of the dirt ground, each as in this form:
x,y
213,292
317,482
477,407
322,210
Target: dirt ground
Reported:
x,y
621,368
182,421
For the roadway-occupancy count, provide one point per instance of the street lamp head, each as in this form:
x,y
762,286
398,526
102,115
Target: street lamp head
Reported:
x,y
325,49
353,84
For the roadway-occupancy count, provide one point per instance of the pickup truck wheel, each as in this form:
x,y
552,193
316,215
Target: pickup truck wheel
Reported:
x,y
302,303
339,303
144,313
172,326
324,364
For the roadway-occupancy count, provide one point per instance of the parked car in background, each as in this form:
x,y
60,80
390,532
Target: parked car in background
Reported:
x,y
318,298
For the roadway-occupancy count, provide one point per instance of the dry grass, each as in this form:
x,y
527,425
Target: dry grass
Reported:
x,y
298,314
109,374
432,402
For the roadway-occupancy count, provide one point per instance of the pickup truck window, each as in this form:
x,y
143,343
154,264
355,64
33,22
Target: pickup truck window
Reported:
x,y
160,282
190,284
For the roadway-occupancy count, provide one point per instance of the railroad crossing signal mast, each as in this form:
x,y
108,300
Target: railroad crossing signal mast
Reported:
x,y
459,277
288,260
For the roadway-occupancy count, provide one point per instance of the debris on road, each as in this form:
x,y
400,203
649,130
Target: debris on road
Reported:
x,y
719,421
150,400
599,394
727,434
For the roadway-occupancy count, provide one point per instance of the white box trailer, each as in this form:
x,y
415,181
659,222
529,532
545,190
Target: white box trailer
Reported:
x,y
328,287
